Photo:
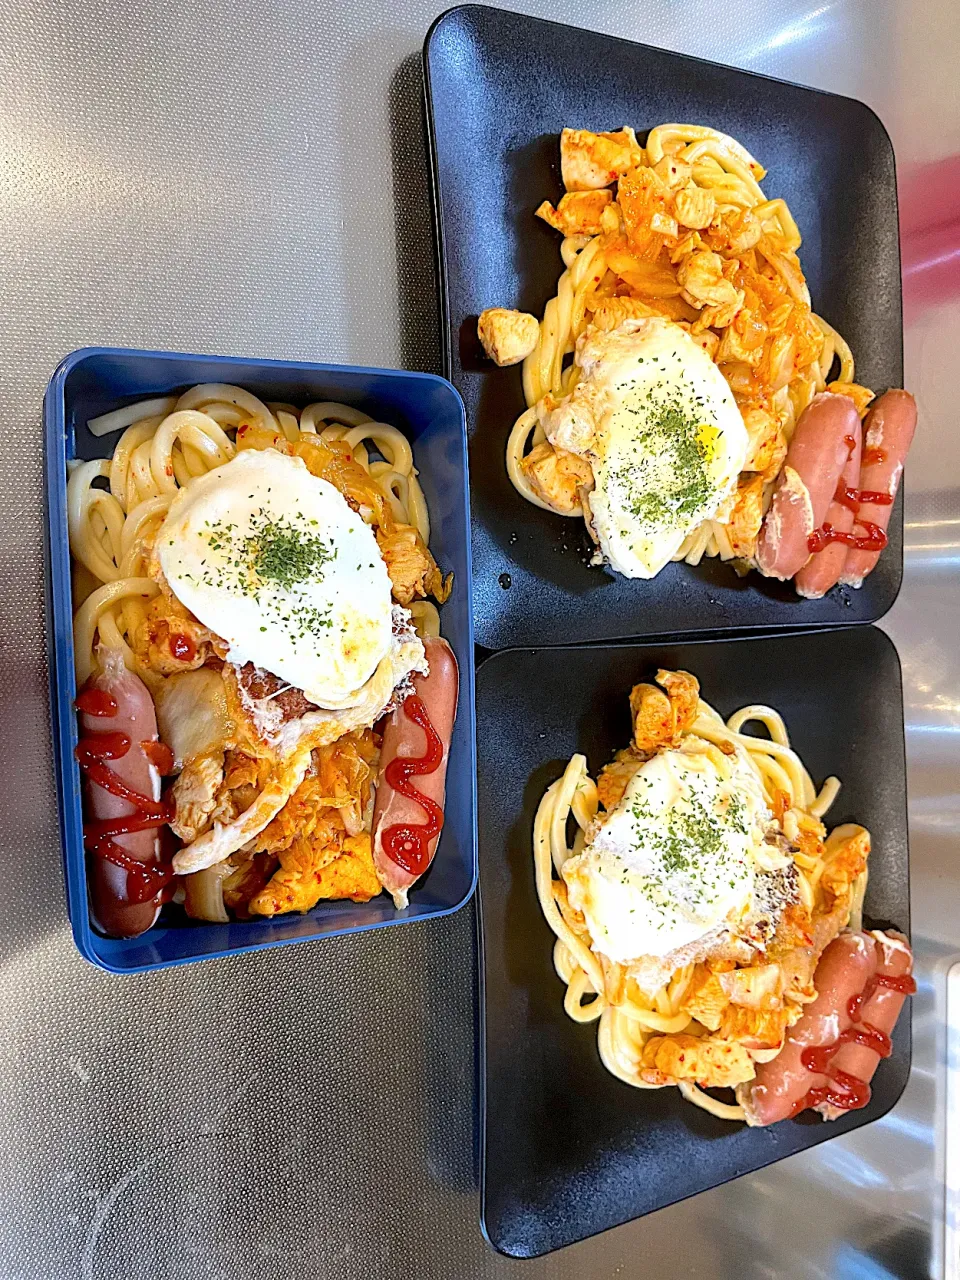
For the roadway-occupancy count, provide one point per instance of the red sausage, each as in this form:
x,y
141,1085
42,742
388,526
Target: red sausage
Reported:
x,y
846,969
135,717
403,738
888,433
822,571
818,453
880,1011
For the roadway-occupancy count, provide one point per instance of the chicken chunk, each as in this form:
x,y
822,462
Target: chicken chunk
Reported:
x,y
296,885
579,213
507,336
660,717
754,1028
735,233
706,999
412,569
694,207
743,525
352,875
195,796
714,1063
683,690
558,476
704,284
589,161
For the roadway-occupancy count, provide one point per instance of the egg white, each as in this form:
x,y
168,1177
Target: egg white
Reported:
x,y
674,860
656,480
325,634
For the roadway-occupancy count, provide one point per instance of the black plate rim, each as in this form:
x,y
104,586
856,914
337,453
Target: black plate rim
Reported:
x,y
443,291
825,1133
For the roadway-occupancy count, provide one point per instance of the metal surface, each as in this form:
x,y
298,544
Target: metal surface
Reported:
x,y
249,178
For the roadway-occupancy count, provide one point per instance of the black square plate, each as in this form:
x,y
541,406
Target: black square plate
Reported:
x,y
500,87
569,1150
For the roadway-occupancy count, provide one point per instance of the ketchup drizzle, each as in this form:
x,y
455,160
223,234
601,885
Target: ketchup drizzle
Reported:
x,y
843,1090
408,844
144,879
873,537
182,647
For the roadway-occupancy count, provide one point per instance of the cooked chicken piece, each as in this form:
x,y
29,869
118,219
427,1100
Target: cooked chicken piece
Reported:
x,y
716,1064
861,396
743,340
734,233
754,1028
195,796
718,317
683,690
758,986
296,886
557,475
589,161
701,277
705,999
675,173
613,778
694,207
686,244
643,199
508,336
743,524
579,213
654,723
660,717
352,875
767,446
412,569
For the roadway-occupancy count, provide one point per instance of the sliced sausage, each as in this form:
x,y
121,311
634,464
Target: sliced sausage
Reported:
x,y
846,970
404,738
822,571
888,434
805,488
112,906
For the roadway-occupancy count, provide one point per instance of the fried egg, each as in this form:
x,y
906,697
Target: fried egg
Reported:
x,y
666,441
674,860
275,561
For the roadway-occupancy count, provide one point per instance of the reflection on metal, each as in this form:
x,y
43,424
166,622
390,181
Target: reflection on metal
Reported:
x,y
951,1131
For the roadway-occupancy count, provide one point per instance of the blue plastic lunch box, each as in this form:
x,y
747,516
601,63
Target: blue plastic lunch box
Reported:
x,y
429,410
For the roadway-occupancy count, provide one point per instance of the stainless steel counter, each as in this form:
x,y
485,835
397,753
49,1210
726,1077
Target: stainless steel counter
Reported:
x,y
249,178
